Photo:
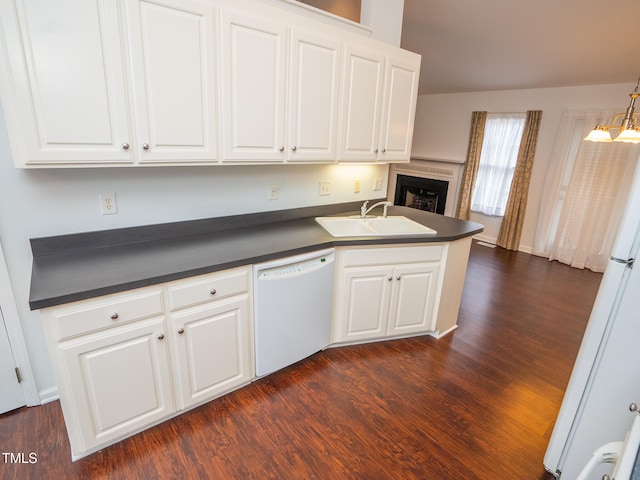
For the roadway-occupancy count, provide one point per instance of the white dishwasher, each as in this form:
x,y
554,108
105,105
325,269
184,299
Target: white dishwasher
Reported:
x,y
292,308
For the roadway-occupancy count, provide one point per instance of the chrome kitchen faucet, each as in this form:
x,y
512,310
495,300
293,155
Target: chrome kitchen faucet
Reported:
x,y
364,210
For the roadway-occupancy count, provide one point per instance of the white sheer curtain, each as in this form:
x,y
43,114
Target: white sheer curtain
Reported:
x,y
585,191
502,135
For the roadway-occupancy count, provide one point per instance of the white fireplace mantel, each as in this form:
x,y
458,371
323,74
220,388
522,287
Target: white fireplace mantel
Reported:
x,y
447,170
437,160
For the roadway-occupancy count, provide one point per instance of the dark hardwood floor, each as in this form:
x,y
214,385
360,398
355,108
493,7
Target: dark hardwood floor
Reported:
x,y
477,404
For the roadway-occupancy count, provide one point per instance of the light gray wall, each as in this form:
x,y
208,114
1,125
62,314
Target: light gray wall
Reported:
x,y
443,121
384,17
46,202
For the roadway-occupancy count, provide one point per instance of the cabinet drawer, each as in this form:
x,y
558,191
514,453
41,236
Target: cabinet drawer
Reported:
x,y
85,317
391,255
208,288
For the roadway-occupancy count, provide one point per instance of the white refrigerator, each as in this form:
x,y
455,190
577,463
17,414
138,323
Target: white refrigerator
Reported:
x,y
606,376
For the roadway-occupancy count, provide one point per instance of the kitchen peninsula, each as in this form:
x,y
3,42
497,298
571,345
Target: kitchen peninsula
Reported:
x,y
143,323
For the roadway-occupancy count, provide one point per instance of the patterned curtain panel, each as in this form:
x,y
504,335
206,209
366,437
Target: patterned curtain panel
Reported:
x,y
476,135
511,227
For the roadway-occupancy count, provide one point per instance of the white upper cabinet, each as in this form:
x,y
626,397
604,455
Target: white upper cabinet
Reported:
x,y
73,85
361,103
379,98
180,82
267,119
313,97
173,46
401,90
254,61
63,84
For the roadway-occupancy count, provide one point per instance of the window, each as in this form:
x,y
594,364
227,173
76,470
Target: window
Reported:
x,y
502,135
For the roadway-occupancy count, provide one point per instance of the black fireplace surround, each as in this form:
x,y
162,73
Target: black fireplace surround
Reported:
x,y
422,193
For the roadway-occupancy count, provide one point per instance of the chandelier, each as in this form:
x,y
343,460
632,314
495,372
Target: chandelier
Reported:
x,y
629,127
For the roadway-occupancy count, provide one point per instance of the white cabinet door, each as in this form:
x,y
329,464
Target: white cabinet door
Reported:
x,y
173,46
413,299
214,350
365,298
379,104
387,292
254,62
313,97
65,74
401,94
119,381
361,103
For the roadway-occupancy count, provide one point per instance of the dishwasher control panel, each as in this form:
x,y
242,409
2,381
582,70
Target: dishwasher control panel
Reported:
x,y
297,268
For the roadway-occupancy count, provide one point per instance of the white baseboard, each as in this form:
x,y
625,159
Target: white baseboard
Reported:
x,y
438,334
49,395
485,238
525,249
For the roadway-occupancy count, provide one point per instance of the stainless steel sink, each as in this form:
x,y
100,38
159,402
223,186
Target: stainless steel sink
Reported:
x,y
372,227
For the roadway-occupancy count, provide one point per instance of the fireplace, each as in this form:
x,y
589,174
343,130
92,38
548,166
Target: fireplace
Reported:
x,y
425,183
422,193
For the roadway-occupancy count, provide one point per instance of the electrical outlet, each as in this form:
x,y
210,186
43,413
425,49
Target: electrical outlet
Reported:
x,y
273,192
377,184
108,204
325,187
356,186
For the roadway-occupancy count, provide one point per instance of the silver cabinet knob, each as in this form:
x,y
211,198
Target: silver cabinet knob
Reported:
x,y
294,148
281,149
384,150
633,407
181,331
375,151
389,278
145,146
114,316
160,336
213,291
125,146
398,277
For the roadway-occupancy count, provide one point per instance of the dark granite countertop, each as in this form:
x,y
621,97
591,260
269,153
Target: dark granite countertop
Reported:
x,y
69,268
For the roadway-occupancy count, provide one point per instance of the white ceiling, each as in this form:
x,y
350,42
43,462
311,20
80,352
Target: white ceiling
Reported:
x,y
474,45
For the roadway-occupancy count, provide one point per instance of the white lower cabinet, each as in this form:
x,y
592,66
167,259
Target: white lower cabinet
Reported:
x,y
119,381
211,335
213,355
413,303
364,302
386,292
126,361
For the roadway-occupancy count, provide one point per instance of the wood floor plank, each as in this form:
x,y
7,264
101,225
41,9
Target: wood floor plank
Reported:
x,y
477,404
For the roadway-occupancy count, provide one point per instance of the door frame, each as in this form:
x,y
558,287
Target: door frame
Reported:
x,y
16,335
